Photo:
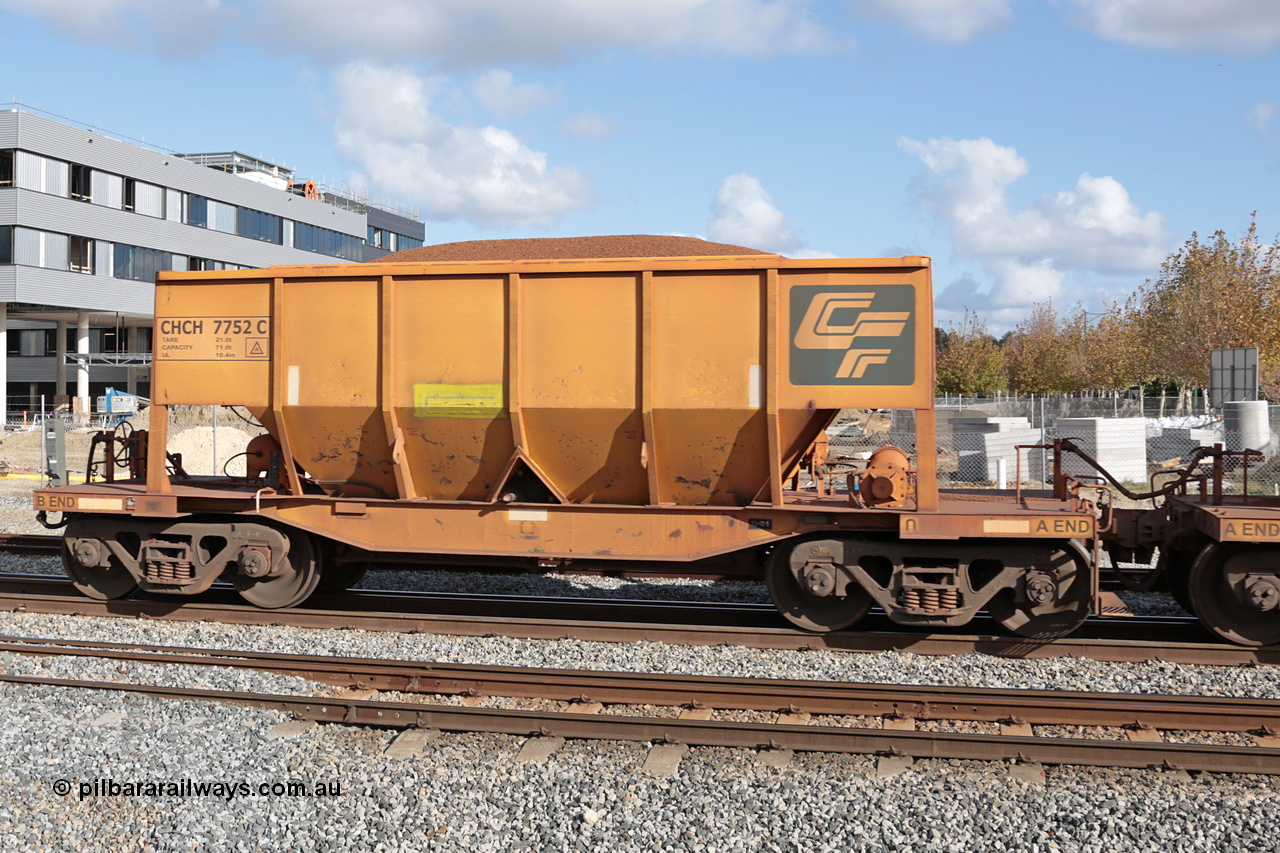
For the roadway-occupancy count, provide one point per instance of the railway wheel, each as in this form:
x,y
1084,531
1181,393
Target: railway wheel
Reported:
x,y
1050,600
1178,556
93,569
290,583
804,578
1178,572
1235,590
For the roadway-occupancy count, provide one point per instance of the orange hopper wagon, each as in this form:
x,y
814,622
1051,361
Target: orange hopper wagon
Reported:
x,y
542,413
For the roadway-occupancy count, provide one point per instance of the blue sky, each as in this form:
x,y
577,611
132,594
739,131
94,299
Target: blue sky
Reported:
x,y
1037,149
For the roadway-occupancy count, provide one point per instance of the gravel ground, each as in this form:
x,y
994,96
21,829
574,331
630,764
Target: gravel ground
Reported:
x,y
464,792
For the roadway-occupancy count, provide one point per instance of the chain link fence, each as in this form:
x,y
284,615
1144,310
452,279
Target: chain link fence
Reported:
x,y
210,439
979,440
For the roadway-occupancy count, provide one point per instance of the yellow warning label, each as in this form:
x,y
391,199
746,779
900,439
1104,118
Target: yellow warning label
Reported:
x,y
213,338
433,400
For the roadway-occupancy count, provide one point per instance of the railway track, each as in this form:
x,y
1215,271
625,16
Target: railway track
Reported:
x,y
34,545
47,545
890,720
1172,639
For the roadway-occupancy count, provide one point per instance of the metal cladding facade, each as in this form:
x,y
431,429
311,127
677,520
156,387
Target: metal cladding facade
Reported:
x,y
663,381
28,205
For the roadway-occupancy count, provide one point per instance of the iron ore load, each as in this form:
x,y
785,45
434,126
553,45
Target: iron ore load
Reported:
x,y
553,413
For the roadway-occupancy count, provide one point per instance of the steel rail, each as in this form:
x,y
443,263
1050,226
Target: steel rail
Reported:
x,y
50,545
30,544
1108,642
739,615
736,614
930,744
1041,707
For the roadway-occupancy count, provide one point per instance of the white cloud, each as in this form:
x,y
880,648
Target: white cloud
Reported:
x,y
1092,227
171,26
941,20
1260,115
743,214
467,33
485,175
501,95
591,126
1032,282
1223,25
452,33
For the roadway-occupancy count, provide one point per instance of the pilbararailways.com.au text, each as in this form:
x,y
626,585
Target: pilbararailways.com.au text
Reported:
x,y
227,789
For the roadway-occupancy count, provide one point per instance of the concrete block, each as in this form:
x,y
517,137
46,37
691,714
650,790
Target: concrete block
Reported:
x,y
892,765
537,750
410,743
664,759
1030,773
291,729
898,724
775,757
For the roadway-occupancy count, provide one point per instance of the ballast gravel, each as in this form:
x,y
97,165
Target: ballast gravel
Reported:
x,y
91,770
149,774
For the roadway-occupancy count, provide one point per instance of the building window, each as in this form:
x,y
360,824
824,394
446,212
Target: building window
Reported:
x,y
148,199
106,340
6,244
6,167
81,182
32,248
32,342
311,238
206,265
198,211
80,254
139,264
130,194
106,189
390,240
257,225
222,217
142,339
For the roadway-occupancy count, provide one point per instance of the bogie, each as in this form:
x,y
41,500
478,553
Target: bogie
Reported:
x,y
111,556
1035,589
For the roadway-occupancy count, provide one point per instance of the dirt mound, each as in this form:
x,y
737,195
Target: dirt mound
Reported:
x,y
549,248
196,446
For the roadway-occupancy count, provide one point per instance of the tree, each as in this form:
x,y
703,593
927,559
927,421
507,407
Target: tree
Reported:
x,y
1111,354
1216,294
969,360
1041,353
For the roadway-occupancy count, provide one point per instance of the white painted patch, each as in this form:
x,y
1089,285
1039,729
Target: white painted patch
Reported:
x,y
526,515
755,386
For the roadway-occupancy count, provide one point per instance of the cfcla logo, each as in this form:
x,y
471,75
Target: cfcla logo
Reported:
x,y
820,330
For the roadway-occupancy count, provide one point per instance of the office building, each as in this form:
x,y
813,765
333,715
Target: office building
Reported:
x,y
88,218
